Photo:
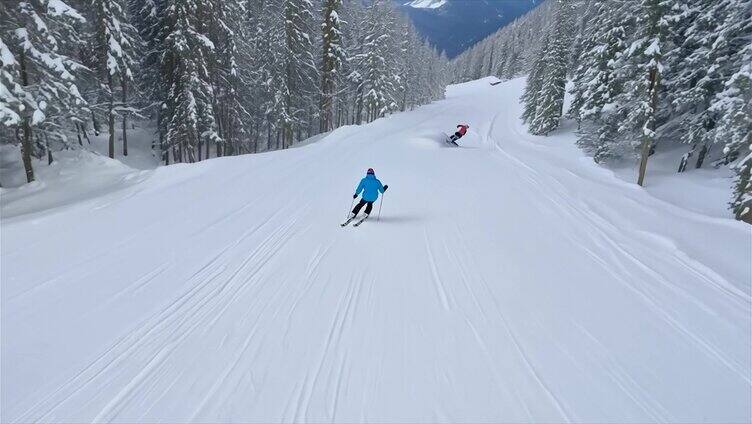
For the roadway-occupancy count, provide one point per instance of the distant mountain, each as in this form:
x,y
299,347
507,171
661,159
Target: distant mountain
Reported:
x,y
426,4
454,25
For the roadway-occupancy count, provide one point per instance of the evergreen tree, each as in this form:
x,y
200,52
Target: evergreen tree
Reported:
x,y
299,65
550,100
115,46
187,57
378,79
215,76
532,92
40,78
734,104
333,57
233,119
598,82
641,94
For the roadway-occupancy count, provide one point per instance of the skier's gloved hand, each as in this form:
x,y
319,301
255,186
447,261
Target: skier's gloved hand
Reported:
x,y
355,196
386,187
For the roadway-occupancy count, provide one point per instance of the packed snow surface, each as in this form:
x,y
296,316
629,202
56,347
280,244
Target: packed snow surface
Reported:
x,y
508,280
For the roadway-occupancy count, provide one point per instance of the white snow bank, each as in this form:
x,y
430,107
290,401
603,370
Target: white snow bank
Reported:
x,y
706,190
74,176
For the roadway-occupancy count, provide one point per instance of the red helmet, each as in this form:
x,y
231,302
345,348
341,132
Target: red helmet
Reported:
x,y
370,171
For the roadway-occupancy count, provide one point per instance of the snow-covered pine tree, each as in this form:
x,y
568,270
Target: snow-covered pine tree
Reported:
x,y
532,92
502,54
597,81
378,80
734,103
588,37
148,17
186,61
586,14
355,14
550,100
40,74
696,71
645,67
299,66
735,128
10,90
115,43
333,56
261,71
405,66
231,93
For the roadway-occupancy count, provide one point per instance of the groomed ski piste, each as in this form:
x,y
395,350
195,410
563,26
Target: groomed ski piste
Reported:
x,y
509,280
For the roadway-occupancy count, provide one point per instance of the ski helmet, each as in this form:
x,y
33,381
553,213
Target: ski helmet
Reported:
x,y
370,171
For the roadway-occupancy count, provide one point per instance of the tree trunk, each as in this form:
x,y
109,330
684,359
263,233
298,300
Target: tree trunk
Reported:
x,y
86,135
125,116
701,156
26,150
78,134
111,118
268,137
47,147
647,140
94,123
26,146
358,118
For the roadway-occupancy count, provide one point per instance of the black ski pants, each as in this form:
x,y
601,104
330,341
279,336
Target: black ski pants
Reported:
x,y
359,206
456,136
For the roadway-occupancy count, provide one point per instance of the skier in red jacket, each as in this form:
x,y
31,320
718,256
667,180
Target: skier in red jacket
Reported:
x,y
461,130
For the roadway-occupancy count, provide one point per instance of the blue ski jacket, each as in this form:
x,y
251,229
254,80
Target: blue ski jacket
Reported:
x,y
371,187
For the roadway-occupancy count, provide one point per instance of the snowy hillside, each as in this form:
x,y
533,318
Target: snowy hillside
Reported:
x,y
426,4
453,26
508,280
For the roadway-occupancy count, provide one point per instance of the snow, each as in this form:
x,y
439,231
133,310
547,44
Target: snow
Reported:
x,y
6,56
74,176
654,48
509,280
37,117
426,4
60,8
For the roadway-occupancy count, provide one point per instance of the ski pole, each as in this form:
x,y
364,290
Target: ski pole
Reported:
x,y
381,203
351,206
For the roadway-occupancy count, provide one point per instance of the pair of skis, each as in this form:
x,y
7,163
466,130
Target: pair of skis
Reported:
x,y
357,221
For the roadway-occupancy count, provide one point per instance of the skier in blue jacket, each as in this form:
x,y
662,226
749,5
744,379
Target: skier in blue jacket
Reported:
x,y
371,187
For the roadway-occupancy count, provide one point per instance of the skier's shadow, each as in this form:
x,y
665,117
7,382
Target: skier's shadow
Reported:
x,y
399,219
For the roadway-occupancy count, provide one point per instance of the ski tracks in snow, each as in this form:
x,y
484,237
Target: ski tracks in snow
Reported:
x,y
438,284
496,289
211,291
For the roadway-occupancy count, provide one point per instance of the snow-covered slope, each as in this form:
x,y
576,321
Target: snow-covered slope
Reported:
x,y
426,4
510,280
455,25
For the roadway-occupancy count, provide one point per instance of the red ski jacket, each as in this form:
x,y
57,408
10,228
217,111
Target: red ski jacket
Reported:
x,y
462,129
